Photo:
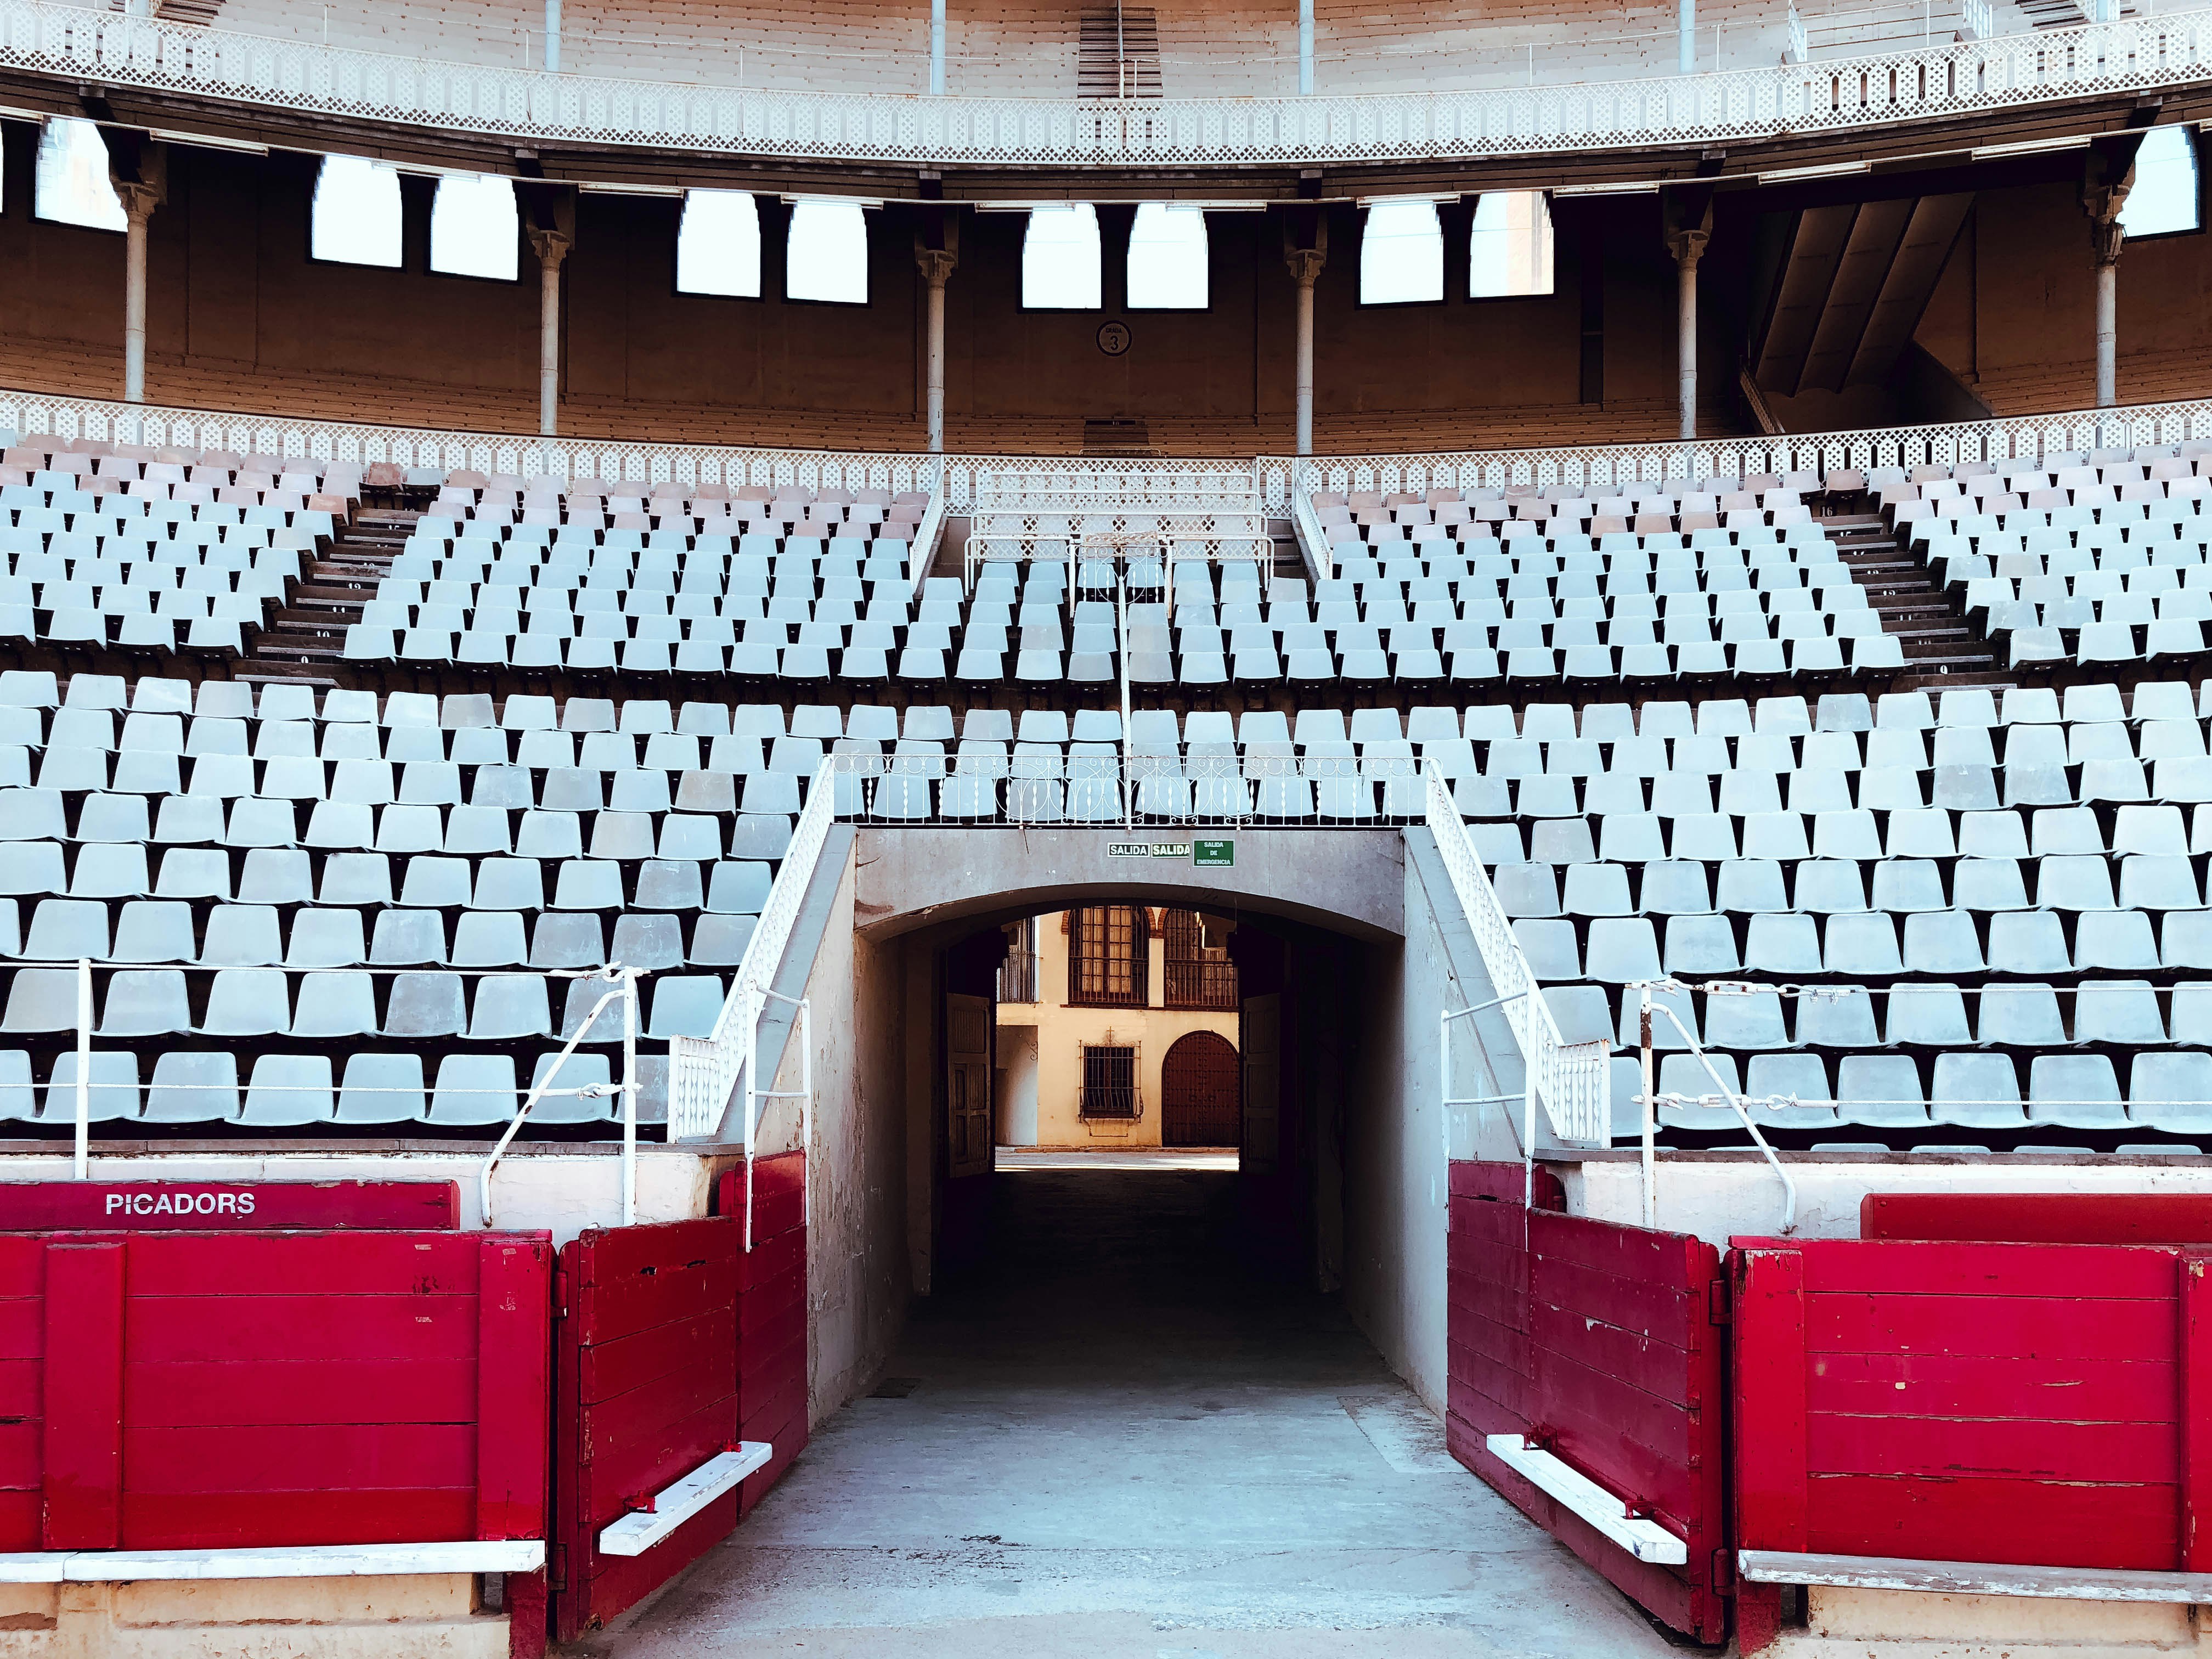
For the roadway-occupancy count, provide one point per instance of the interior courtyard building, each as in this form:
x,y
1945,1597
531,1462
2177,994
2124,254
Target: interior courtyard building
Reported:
x,y
1194,831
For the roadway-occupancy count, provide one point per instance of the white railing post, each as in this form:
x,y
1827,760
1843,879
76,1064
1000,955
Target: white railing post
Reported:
x,y
83,1068
629,1097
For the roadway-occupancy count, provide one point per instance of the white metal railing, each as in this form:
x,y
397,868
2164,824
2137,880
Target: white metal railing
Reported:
x,y
1196,787
1281,478
1800,48
77,45
2017,437
1571,1081
922,552
1980,18
703,1071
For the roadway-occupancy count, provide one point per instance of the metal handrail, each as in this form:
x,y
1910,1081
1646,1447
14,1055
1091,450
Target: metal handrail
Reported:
x,y
703,1071
625,992
78,44
1573,1081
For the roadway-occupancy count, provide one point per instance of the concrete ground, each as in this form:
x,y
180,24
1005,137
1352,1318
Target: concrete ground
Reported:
x,y
1113,1439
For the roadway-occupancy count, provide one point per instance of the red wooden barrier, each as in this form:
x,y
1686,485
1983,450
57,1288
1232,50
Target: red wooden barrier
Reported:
x,y
2040,1218
772,1369
211,1391
1595,1341
647,1381
2011,1403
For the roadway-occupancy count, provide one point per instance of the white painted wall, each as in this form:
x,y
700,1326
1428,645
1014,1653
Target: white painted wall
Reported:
x,y
1016,1106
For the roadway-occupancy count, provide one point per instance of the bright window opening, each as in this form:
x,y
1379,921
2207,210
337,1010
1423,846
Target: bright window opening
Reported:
x,y
1061,261
474,230
1401,256
827,256
1509,252
2164,199
1167,258
355,217
718,244
73,186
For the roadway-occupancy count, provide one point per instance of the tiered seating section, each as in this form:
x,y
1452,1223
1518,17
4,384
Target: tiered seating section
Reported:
x,y
292,845
2079,559
758,581
1734,576
1993,908
156,554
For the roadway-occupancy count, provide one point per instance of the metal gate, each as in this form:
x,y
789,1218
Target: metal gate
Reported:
x,y
1201,1092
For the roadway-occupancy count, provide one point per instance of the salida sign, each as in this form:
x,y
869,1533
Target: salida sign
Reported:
x,y
211,1205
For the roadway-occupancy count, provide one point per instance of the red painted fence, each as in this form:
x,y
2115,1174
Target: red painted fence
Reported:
x,y
772,1369
193,1390
1595,1341
2037,1403
647,1383
2040,1218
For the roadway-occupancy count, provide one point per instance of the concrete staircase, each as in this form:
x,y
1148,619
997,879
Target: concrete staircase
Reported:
x,y
306,643
1941,646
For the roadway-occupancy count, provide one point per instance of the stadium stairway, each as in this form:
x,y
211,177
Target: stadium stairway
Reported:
x,y
1939,643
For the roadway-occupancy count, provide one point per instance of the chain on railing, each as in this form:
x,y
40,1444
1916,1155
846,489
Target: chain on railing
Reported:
x,y
78,44
703,1071
1572,1082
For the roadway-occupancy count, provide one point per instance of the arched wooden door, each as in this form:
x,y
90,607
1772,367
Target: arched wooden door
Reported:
x,y
1201,1089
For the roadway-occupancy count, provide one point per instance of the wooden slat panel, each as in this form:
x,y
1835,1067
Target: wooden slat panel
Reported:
x,y
315,1264
83,1395
2193,1328
349,1456
2064,1328
250,1393
2049,1523
1633,1304
188,1521
2046,1217
1997,1385
2087,1453
303,1325
2036,1272
1770,1400
513,1351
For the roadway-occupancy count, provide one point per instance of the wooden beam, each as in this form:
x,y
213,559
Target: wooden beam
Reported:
x,y
1971,1578
301,1561
1647,1540
672,1505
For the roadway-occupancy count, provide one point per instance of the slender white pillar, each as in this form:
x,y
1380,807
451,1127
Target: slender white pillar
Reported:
x,y
551,247
2108,327
1305,48
139,201
1687,26
1687,247
1306,264
936,266
937,48
552,36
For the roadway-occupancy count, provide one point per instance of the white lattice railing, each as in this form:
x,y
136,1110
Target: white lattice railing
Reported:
x,y
112,48
1573,1081
701,1070
956,479
2009,438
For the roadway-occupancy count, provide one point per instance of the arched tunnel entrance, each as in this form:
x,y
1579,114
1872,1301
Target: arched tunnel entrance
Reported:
x,y
1091,1375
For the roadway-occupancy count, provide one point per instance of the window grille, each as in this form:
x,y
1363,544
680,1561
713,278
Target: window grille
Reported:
x,y
1018,973
1108,956
1109,1080
1198,975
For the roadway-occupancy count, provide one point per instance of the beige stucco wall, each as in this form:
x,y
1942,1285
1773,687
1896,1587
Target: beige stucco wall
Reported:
x,y
435,1616
1058,1032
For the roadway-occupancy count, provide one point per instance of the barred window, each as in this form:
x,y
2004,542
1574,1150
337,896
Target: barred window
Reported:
x,y
1108,956
1018,973
1199,975
1109,1080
